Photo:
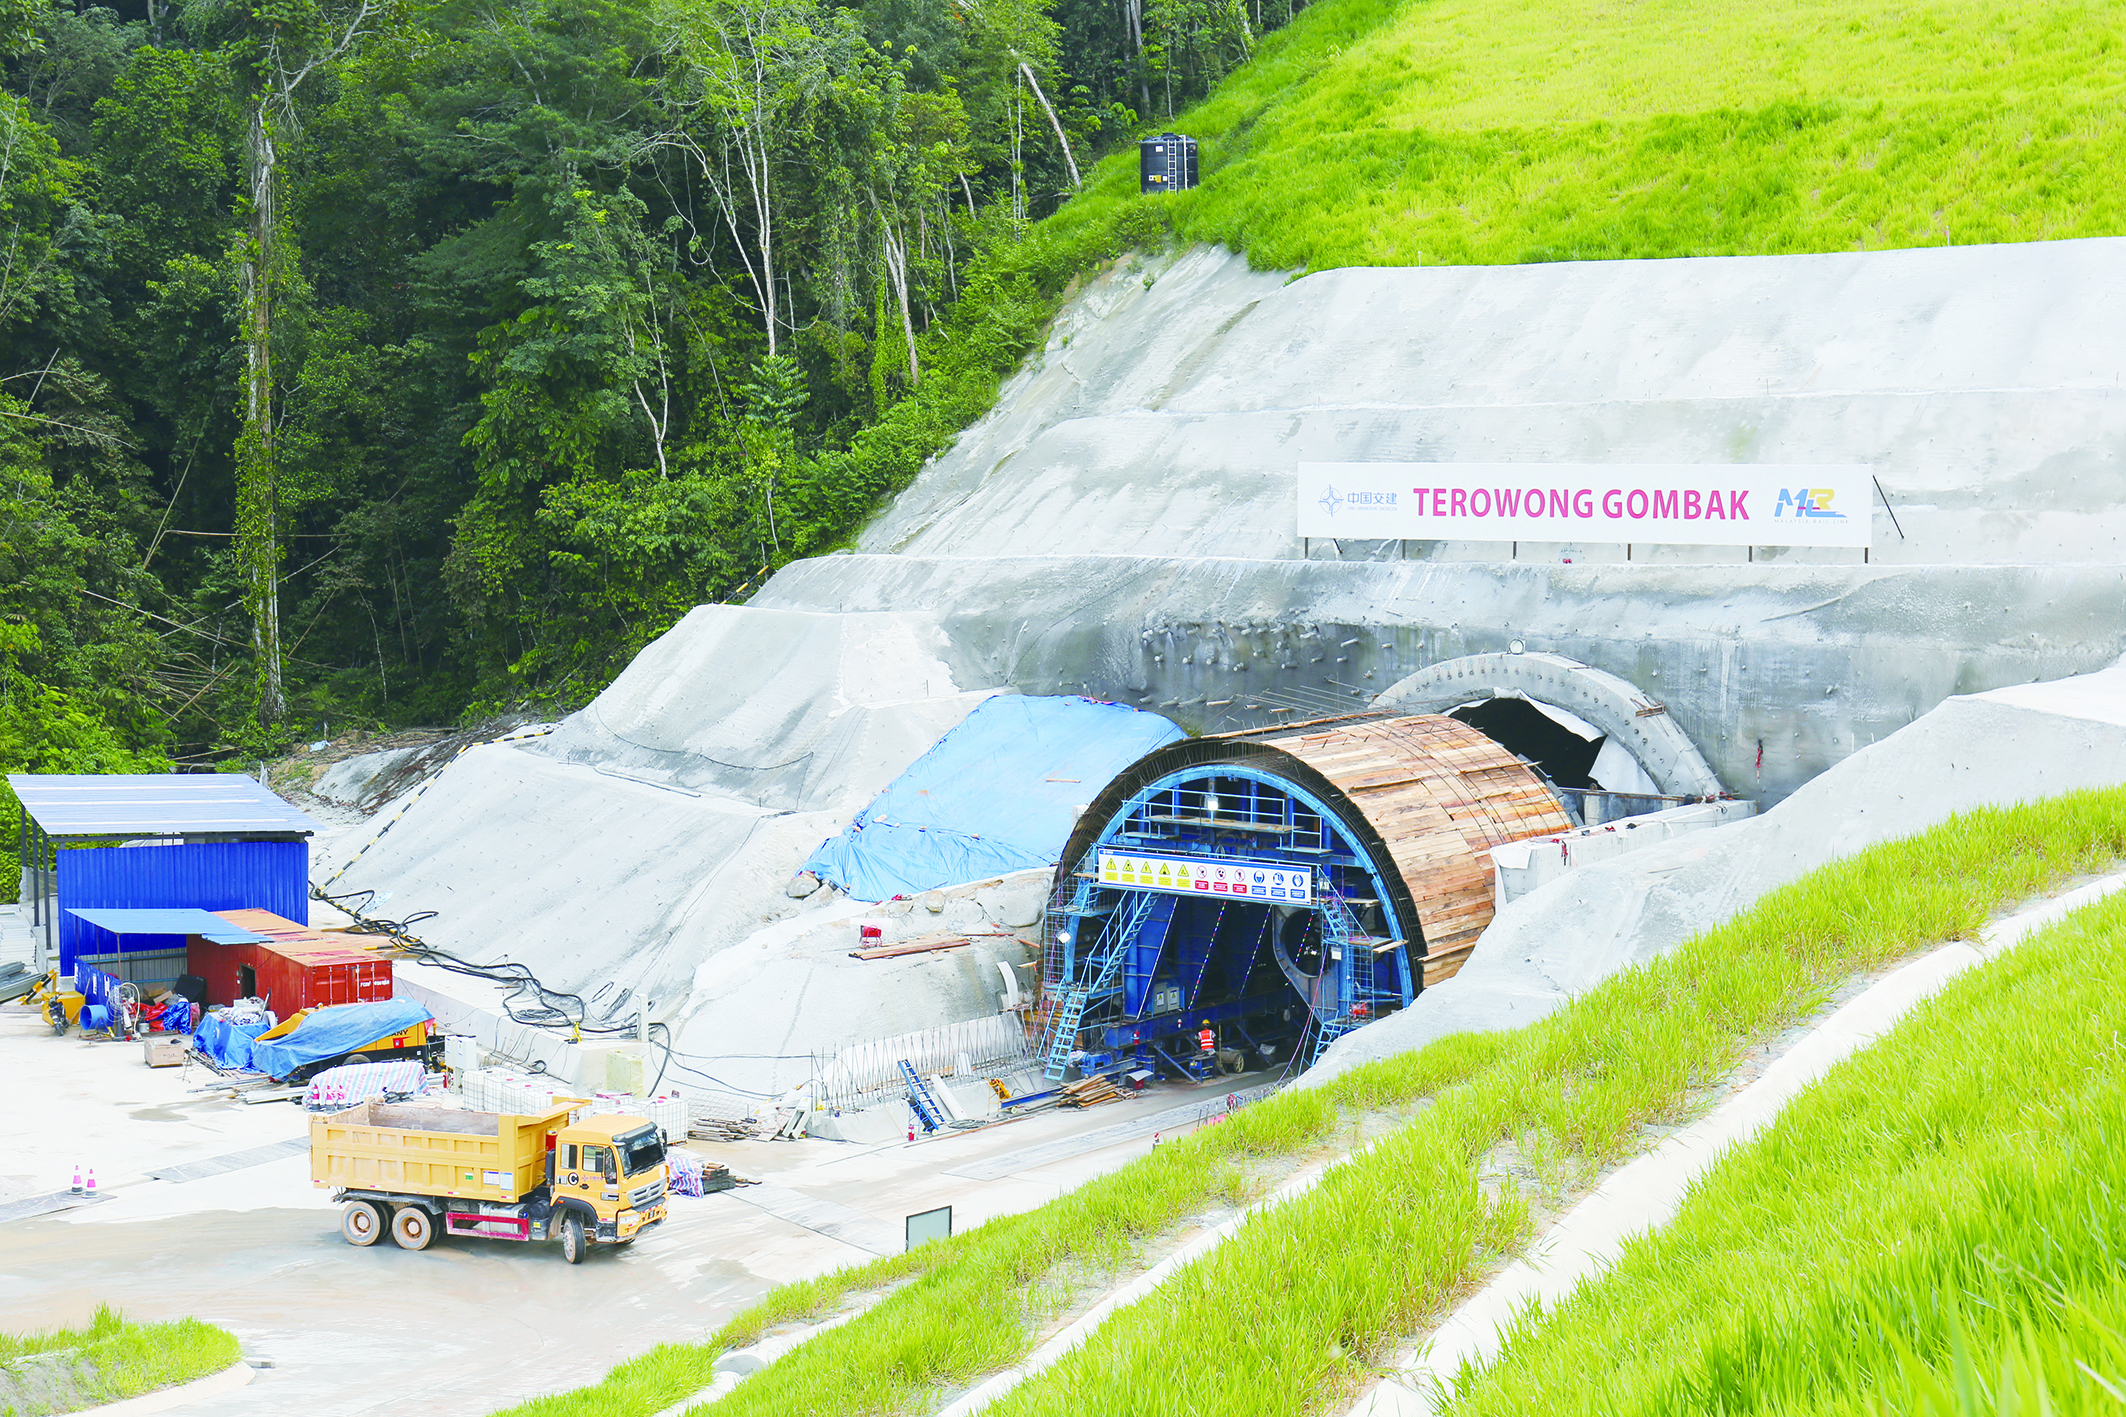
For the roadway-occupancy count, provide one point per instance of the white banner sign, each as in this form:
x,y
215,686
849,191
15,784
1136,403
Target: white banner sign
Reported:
x,y
1720,504
1273,881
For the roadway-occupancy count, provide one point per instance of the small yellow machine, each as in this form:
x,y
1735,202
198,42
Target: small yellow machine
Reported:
x,y
61,1007
412,1169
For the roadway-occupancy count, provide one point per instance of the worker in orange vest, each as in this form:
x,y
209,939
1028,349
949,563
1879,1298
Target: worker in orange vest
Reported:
x,y
1206,1041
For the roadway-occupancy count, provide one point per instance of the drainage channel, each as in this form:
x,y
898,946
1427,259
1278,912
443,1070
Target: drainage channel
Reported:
x,y
1646,1194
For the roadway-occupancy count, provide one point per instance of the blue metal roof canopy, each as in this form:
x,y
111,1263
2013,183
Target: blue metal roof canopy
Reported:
x,y
191,804
203,923
230,843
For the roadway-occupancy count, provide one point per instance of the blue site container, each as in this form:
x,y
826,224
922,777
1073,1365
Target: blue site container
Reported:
x,y
217,875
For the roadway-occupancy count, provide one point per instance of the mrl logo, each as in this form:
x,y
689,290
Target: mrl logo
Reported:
x,y
1807,502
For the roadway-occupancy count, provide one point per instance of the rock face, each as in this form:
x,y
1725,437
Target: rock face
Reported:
x,y
350,780
1774,672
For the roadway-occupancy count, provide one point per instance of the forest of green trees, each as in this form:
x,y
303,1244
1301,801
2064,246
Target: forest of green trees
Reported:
x,y
377,362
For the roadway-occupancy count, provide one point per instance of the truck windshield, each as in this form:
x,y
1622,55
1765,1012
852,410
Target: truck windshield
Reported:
x,y
640,1151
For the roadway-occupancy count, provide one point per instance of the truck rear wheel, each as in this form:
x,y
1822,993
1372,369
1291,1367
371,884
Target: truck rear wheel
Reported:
x,y
363,1223
572,1242
412,1227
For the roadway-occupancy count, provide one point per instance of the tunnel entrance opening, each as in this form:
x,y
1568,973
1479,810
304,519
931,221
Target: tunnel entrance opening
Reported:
x,y
1646,753
1563,754
1220,897
1596,777
1278,887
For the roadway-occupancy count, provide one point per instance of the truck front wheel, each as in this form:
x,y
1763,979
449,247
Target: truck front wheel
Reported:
x,y
363,1224
412,1227
572,1242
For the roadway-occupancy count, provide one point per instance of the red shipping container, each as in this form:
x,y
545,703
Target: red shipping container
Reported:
x,y
297,967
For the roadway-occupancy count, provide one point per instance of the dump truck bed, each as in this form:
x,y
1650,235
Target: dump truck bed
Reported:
x,y
433,1151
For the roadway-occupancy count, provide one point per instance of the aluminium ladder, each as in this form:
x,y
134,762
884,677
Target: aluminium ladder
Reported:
x,y
926,1107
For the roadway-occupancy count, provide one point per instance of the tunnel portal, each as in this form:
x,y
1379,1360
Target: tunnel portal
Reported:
x,y
1279,887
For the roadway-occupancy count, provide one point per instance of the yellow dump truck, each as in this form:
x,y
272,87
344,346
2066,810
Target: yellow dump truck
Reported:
x,y
413,1169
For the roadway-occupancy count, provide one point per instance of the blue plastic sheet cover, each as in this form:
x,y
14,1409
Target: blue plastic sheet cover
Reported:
x,y
329,1032
227,1044
998,793
96,986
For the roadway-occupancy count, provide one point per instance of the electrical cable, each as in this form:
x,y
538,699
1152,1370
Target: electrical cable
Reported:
x,y
551,1010
730,1087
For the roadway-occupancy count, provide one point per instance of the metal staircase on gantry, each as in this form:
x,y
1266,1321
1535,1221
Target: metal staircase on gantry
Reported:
x,y
1355,991
1094,973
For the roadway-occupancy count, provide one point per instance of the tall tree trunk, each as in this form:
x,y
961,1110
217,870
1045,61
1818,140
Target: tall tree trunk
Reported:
x,y
1069,160
897,266
1136,32
257,495
764,225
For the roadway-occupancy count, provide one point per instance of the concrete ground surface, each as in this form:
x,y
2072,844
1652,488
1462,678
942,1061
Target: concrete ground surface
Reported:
x,y
465,1327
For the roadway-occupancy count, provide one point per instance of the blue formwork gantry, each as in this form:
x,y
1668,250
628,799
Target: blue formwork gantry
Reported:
x,y
1220,895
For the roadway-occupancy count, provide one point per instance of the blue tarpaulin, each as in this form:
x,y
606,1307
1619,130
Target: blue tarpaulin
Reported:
x,y
327,1033
998,793
228,1044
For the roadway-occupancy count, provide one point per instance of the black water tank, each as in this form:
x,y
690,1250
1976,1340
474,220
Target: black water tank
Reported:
x,y
1166,163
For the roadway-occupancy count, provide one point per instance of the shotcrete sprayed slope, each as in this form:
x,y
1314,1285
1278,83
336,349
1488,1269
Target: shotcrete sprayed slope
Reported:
x,y
652,834
1982,386
2012,745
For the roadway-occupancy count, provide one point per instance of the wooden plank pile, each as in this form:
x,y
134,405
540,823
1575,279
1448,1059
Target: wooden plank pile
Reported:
x,y
922,944
937,940
1089,1092
724,1128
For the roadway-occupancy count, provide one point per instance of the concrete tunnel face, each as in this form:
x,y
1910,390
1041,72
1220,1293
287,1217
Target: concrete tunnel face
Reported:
x,y
1279,887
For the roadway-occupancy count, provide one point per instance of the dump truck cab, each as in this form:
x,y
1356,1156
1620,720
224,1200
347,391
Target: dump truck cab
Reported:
x,y
609,1171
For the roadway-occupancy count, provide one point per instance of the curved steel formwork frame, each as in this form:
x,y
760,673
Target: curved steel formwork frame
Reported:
x,y
1282,886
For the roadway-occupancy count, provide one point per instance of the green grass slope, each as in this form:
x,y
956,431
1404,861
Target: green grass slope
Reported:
x,y
109,1360
1495,131
1937,1227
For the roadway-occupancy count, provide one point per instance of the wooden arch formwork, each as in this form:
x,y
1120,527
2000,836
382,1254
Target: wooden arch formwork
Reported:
x,y
1393,819
1440,795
